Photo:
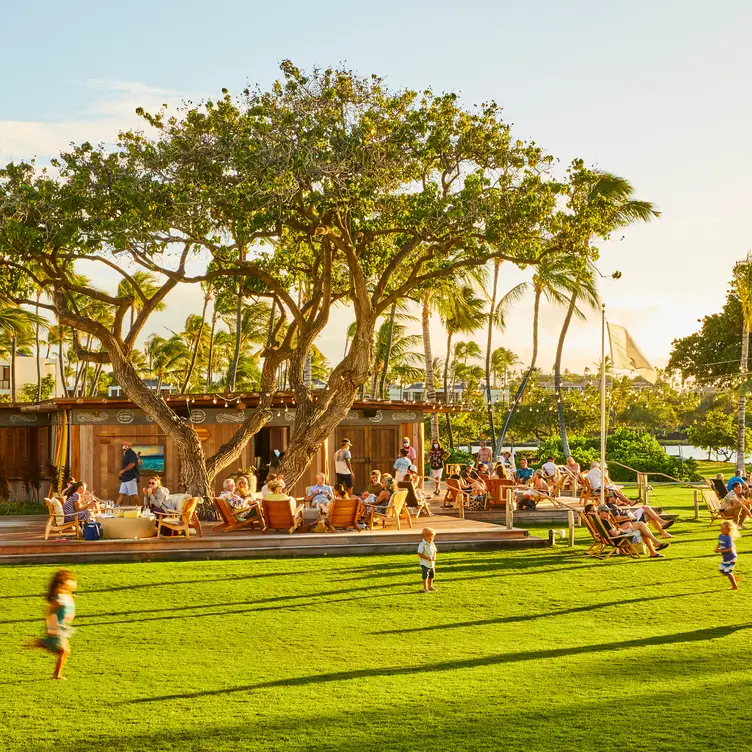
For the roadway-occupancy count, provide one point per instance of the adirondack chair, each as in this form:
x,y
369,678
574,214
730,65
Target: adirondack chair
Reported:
x,y
714,507
413,500
177,503
586,490
622,543
64,528
344,514
455,496
282,514
231,517
182,523
395,510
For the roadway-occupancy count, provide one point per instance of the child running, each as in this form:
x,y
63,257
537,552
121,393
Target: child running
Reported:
x,y
727,549
60,612
427,559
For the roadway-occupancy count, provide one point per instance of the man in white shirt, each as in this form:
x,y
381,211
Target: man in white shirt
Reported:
x,y
550,468
594,476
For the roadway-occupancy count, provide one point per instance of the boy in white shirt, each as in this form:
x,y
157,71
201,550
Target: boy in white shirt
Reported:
x,y
427,558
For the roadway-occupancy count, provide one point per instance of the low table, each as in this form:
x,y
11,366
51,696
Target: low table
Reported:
x,y
124,528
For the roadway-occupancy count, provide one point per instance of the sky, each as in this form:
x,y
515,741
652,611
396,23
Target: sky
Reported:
x,y
656,91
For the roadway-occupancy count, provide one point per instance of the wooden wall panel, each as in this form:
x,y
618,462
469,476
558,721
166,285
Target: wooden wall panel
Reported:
x,y
75,452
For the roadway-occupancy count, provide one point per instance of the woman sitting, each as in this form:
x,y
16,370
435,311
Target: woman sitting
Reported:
x,y
500,472
243,488
155,496
276,494
381,502
74,506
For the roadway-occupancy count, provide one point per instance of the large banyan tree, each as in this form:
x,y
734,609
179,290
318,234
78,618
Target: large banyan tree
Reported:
x,y
327,190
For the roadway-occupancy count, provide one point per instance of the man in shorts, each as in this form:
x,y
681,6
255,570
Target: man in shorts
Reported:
x,y
129,477
343,466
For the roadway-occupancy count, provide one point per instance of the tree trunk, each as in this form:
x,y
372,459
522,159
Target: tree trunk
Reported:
x,y
430,389
209,373
38,353
388,353
13,345
557,374
60,358
741,418
232,375
523,384
307,376
446,390
492,311
189,373
95,380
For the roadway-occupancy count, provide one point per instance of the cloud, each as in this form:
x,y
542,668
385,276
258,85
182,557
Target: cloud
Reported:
x,y
112,108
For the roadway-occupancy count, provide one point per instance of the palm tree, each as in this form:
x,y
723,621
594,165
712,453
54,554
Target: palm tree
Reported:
x,y
552,280
207,297
497,320
17,326
393,337
742,284
610,198
149,286
502,359
462,313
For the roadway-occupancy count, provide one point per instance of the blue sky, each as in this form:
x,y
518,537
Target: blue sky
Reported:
x,y
655,91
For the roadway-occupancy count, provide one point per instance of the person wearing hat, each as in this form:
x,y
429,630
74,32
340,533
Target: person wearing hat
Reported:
x,y
639,530
343,465
411,453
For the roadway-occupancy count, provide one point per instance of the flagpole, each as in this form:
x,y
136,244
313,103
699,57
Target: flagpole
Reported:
x,y
603,403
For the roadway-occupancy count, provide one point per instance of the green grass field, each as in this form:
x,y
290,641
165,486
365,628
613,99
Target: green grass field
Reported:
x,y
524,650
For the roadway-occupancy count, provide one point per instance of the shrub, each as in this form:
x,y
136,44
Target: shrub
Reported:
x,y
21,507
637,449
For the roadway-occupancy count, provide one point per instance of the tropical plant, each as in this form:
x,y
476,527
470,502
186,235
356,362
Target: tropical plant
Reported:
x,y
17,327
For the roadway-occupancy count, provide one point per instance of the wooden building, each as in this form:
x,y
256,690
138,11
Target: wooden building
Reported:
x,y
88,433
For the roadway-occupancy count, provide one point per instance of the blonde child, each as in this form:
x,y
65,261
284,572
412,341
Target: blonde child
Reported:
x,y
727,549
60,613
427,558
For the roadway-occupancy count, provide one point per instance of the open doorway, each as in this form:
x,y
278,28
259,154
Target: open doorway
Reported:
x,y
267,440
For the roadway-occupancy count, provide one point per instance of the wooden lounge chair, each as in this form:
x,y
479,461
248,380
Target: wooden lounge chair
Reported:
x,y
231,517
182,523
413,500
343,514
279,514
496,491
616,543
52,526
395,510
714,507
718,486
596,547
586,490
455,496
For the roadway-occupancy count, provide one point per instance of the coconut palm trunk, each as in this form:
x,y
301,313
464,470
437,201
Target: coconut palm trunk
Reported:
x,y
209,373
233,374
741,419
523,384
60,351
197,344
388,353
37,350
446,388
430,389
557,373
492,311
13,348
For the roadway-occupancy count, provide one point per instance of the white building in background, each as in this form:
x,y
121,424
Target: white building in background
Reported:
x,y
26,373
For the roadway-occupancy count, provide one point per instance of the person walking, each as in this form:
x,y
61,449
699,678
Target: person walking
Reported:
x,y
436,458
427,558
727,549
343,465
129,477
485,454
411,453
401,465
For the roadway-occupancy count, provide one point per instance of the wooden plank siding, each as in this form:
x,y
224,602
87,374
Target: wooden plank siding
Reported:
x,y
21,444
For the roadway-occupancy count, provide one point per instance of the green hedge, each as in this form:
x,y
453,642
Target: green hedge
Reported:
x,y
8,508
637,449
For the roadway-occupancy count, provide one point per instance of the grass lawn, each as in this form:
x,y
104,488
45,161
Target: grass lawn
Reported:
x,y
709,469
528,650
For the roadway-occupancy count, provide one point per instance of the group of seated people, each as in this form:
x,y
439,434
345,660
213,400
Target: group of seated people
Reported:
x,y
736,503
631,525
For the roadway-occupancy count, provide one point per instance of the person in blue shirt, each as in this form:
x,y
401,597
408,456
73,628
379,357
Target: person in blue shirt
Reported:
x,y
401,465
736,479
727,550
523,473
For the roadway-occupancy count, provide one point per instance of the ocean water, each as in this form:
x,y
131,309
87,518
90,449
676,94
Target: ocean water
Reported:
x,y
154,463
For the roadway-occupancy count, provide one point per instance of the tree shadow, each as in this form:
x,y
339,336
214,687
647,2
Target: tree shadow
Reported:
x,y
542,615
697,635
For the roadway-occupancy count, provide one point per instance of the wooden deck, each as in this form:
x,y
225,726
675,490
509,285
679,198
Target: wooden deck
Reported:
x,y
22,541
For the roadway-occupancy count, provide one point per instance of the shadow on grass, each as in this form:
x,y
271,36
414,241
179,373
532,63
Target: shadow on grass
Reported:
x,y
542,615
697,635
